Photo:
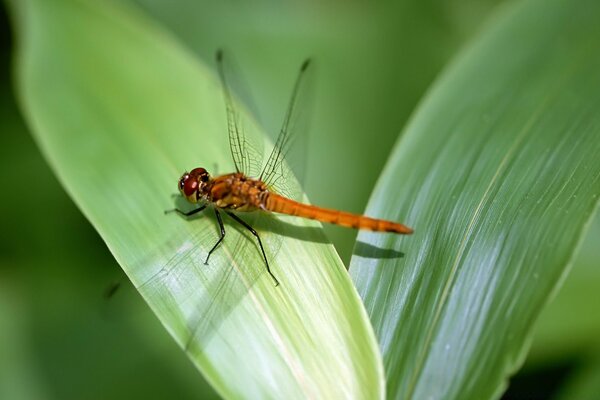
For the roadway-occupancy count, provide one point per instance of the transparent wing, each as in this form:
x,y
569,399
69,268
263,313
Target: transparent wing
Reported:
x,y
246,152
202,296
277,172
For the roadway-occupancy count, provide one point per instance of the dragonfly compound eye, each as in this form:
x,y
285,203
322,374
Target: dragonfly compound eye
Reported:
x,y
190,186
201,173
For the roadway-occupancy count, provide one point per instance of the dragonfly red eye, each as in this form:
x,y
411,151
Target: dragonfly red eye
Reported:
x,y
200,173
190,185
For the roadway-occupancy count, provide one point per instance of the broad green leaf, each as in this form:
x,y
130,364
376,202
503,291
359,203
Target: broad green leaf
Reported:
x,y
499,173
59,336
119,109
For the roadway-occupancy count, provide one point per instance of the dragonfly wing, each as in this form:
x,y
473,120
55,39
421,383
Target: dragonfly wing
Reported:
x,y
246,151
203,296
288,152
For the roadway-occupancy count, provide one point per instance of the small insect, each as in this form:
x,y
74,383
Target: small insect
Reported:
x,y
238,192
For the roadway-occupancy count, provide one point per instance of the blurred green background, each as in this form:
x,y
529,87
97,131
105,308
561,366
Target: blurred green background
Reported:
x,y
60,337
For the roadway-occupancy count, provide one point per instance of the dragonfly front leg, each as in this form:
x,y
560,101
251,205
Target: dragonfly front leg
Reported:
x,y
245,225
186,214
222,227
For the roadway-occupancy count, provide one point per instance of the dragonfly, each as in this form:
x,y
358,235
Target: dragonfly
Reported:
x,y
237,192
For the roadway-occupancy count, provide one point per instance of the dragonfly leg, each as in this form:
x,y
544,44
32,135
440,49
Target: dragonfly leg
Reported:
x,y
222,227
245,225
186,214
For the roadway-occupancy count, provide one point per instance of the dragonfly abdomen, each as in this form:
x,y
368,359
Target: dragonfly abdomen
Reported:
x,y
284,205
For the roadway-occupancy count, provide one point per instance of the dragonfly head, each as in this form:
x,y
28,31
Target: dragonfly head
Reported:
x,y
192,184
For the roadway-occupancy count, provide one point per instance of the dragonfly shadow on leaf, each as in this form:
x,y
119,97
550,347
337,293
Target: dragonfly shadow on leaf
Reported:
x,y
202,296
277,226
367,250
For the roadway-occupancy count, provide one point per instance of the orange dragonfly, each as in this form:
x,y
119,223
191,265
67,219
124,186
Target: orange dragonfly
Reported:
x,y
238,192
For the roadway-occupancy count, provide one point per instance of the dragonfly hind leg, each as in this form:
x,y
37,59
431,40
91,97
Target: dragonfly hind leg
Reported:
x,y
245,225
222,227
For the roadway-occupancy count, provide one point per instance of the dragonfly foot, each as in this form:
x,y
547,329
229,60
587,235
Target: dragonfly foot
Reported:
x,y
274,279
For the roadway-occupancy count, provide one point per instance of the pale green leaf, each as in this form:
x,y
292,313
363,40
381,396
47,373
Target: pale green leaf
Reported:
x,y
499,173
120,109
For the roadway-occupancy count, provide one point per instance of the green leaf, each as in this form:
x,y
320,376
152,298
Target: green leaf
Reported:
x,y
499,173
119,109
59,336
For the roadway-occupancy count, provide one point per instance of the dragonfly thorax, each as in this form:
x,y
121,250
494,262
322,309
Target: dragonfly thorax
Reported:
x,y
192,185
